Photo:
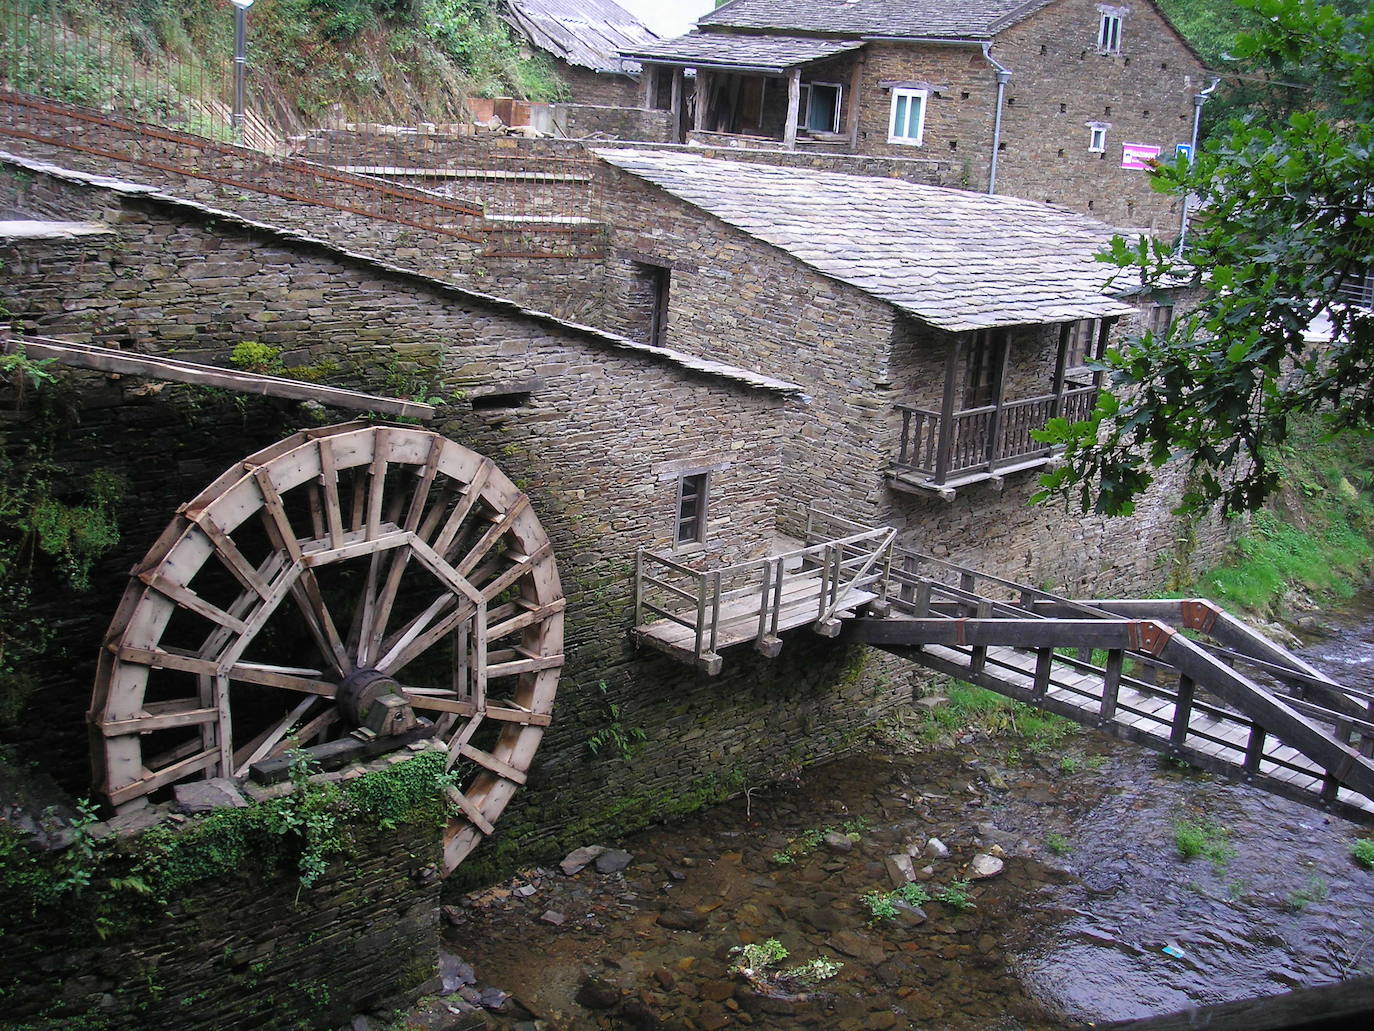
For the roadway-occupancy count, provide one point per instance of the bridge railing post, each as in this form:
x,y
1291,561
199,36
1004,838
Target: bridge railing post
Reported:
x,y
639,586
1111,684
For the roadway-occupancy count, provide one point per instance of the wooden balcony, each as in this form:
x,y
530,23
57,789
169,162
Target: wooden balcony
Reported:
x,y
691,614
941,452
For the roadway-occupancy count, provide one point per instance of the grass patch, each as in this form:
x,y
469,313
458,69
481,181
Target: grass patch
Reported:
x,y
976,708
883,905
1057,843
1314,890
1362,851
1206,839
1317,535
956,895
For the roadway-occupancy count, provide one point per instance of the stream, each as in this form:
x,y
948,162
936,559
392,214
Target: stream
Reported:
x,y
1095,915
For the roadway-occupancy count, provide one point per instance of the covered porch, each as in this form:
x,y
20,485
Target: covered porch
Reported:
x,y
984,426
768,91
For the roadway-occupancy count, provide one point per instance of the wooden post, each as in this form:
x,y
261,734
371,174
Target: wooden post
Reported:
x,y
995,444
648,81
1060,363
1103,330
947,409
1044,660
852,113
1111,684
978,658
639,587
1183,709
703,99
789,128
675,106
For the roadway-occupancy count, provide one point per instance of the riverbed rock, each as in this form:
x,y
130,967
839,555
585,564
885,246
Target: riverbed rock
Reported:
x,y
936,849
580,858
982,866
596,993
682,920
454,974
613,861
202,796
838,842
900,869
552,916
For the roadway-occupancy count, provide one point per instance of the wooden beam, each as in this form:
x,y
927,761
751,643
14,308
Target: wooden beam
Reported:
x,y
856,80
789,128
107,359
675,107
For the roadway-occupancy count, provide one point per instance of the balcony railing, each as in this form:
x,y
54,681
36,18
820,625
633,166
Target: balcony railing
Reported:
x,y
983,440
1358,289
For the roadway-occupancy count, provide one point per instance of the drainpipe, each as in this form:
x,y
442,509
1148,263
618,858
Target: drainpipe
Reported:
x,y
1003,77
1198,100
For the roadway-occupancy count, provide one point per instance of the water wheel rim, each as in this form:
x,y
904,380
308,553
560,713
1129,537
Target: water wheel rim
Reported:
x,y
500,584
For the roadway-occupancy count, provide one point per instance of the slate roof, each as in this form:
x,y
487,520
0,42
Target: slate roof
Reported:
x,y
590,33
953,259
772,53
918,19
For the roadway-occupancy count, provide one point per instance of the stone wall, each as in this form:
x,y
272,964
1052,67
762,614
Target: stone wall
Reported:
x,y
1061,83
601,89
238,953
734,297
598,444
591,121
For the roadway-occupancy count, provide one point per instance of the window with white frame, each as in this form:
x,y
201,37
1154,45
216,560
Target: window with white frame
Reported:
x,y
1097,139
1109,34
819,109
908,118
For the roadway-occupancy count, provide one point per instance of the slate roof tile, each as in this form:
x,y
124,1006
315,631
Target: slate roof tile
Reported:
x,y
953,259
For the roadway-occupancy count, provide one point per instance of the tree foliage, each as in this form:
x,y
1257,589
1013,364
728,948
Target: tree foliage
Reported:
x,y
1284,217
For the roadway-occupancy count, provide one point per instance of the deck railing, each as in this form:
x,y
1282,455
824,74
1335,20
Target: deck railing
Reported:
x,y
982,439
828,573
1358,289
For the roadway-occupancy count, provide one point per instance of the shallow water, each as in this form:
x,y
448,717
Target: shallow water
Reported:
x,y
1072,931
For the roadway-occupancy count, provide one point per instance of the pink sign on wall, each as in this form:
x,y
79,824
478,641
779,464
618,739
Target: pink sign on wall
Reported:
x,y
1137,155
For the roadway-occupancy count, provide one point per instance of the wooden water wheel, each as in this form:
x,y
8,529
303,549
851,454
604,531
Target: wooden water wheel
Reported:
x,y
343,573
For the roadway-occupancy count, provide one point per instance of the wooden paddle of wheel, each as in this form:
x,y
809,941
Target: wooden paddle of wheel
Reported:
x,y
335,561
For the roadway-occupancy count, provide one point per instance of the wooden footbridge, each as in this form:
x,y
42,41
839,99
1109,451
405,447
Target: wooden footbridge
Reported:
x,y
1179,676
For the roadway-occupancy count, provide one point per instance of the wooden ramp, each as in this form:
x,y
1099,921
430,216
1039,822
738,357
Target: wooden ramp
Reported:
x,y
1123,667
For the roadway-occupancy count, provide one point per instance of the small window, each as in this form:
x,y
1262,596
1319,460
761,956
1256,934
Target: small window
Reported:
x,y
1158,318
656,282
907,123
820,106
1109,34
1082,336
1097,139
691,509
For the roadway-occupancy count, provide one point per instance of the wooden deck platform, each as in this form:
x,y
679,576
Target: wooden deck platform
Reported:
x,y
799,606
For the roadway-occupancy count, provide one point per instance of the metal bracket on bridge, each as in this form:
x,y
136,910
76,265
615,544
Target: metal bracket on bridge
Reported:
x,y
1199,614
1149,637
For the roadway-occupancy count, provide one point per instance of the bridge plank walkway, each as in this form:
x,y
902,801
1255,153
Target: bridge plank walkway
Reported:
x,y
1215,739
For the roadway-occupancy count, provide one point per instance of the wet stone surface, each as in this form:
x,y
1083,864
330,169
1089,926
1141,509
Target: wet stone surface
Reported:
x,y
1092,916
1069,931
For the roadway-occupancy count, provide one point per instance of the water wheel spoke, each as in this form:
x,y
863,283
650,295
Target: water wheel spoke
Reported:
x,y
405,653
467,499
310,601
415,548
425,482
262,745
302,680
494,533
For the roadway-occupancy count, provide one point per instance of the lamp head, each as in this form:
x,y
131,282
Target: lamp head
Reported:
x,y
242,5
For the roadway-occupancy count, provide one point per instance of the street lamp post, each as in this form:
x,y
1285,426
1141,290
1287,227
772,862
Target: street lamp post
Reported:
x,y
240,61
